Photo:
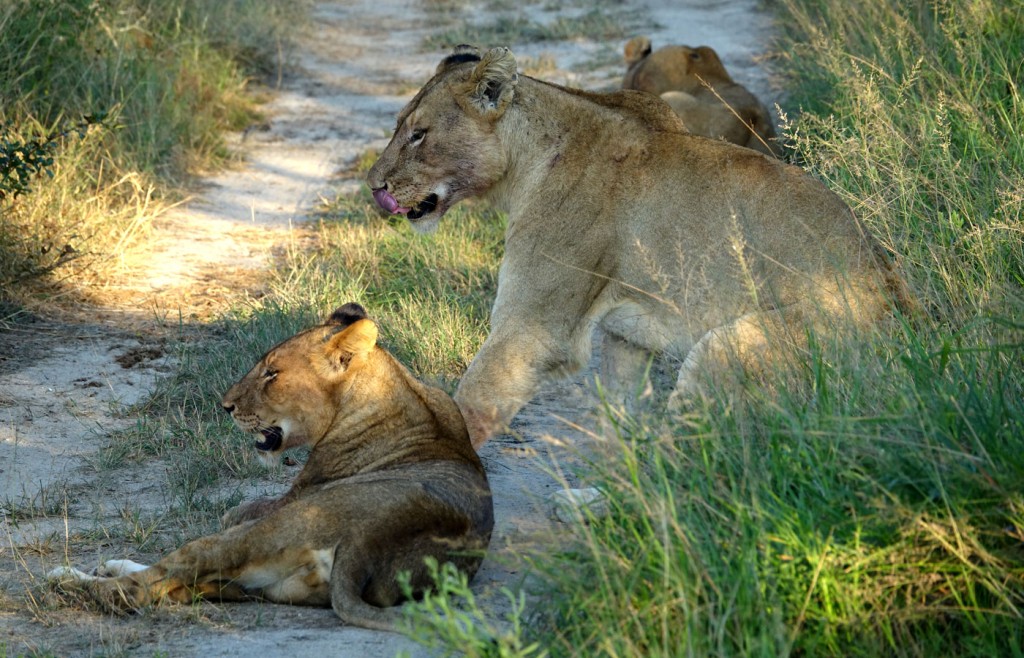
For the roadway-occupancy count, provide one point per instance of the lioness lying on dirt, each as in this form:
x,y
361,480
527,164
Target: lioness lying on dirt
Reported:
x,y
694,82
619,219
391,479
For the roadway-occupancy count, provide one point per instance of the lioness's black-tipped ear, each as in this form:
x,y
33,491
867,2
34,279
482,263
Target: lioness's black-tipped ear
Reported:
x,y
463,53
492,84
354,340
636,49
712,63
705,52
345,315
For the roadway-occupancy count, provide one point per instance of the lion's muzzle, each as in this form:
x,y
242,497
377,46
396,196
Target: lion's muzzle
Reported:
x,y
424,207
272,438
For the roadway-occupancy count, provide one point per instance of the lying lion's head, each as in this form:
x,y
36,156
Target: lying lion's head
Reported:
x,y
694,82
444,148
671,68
288,398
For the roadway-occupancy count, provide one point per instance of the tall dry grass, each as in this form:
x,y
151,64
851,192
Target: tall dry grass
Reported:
x,y
165,80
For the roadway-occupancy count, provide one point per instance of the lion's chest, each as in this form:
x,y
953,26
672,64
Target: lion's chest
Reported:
x,y
295,575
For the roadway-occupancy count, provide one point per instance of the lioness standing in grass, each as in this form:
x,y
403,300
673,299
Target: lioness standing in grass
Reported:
x,y
391,479
620,220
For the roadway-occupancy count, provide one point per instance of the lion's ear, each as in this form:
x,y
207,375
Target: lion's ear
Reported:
x,y
355,340
460,55
636,49
712,63
493,81
345,315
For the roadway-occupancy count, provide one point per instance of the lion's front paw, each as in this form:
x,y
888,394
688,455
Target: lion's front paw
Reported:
x,y
113,595
118,595
114,568
68,575
482,424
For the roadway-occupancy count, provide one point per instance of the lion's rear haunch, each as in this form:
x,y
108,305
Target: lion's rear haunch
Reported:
x,y
391,480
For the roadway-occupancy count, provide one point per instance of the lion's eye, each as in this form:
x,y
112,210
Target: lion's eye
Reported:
x,y
269,373
417,135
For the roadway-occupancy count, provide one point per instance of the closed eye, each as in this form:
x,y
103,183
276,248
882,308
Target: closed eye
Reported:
x,y
269,373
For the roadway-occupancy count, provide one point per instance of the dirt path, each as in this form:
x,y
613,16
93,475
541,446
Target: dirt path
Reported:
x,y
62,385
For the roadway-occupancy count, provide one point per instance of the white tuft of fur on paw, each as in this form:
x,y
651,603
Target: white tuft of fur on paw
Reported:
x,y
65,574
579,504
114,568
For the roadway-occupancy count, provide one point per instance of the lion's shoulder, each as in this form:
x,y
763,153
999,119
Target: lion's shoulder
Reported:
x,y
650,111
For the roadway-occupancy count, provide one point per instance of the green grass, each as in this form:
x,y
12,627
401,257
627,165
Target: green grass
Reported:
x,y
915,118
168,78
430,293
450,621
826,521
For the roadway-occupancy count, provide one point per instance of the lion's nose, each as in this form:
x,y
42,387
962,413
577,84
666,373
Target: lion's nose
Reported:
x,y
227,406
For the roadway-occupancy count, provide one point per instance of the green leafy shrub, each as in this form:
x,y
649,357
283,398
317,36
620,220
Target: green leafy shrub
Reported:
x,y
450,619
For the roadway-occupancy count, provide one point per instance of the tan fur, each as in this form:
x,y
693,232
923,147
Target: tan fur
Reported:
x,y
620,220
694,82
391,479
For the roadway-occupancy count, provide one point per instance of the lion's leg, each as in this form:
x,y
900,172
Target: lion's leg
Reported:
x,y
624,372
748,344
113,592
206,567
506,374
250,511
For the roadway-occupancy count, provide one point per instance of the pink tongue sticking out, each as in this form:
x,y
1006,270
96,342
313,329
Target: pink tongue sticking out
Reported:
x,y
388,202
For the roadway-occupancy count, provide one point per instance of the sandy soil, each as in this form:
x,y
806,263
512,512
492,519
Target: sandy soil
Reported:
x,y
64,386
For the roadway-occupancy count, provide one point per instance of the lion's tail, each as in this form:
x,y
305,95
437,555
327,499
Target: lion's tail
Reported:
x,y
354,611
895,285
